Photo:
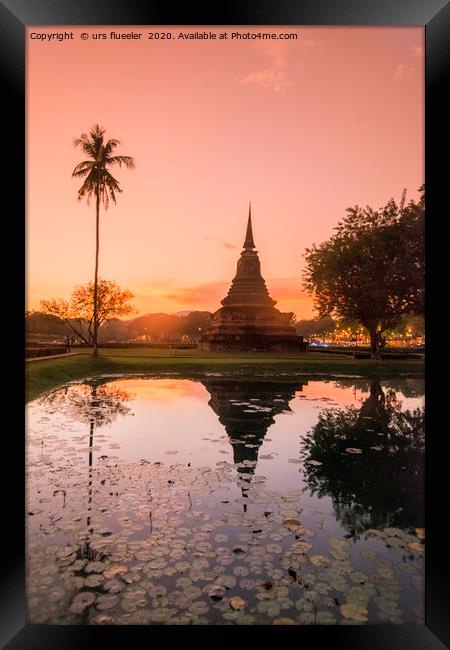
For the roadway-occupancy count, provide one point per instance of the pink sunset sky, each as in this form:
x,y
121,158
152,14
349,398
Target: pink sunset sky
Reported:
x,y
303,129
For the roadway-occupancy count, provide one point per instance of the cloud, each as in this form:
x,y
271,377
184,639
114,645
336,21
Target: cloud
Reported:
x,y
203,295
269,78
210,294
224,244
151,289
403,72
275,75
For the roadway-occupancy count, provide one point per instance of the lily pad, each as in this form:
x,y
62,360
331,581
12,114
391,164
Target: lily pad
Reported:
x,y
106,602
81,601
284,621
237,603
354,612
318,560
94,580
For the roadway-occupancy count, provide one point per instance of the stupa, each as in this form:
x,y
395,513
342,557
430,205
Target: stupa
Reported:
x,y
248,319
247,409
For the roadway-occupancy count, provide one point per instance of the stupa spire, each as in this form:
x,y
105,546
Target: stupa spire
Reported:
x,y
249,243
248,319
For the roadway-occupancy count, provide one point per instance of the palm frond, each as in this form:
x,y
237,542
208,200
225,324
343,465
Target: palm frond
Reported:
x,y
110,145
98,180
86,145
83,167
128,161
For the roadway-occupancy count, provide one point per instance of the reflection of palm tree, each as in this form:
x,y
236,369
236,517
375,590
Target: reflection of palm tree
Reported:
x,y
375,483
96,403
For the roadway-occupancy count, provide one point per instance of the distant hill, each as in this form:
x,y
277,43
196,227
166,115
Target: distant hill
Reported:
x,y
157,326
183,313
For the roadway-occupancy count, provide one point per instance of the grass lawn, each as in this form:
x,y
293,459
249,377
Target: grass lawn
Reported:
x,y
44,375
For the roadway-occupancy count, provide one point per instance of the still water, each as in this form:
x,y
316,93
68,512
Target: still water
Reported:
x,y
173,501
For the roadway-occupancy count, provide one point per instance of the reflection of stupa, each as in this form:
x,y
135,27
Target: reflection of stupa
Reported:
x,y
247,409
248,319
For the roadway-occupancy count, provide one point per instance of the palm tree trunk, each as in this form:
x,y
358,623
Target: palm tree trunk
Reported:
x,y
97,243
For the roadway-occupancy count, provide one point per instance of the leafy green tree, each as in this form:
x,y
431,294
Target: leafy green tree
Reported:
x,y
370,461
314,326
99,183
196,323
78,313
37,322
372,269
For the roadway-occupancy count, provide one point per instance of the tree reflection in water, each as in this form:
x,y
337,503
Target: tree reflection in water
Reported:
x,y
96,403
380,482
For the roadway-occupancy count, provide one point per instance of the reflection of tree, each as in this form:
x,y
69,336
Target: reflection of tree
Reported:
x,y
409,387
382,485
96,401
247,409
97,404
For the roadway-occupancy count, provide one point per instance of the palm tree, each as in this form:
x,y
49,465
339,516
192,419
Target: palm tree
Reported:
x,y
98,182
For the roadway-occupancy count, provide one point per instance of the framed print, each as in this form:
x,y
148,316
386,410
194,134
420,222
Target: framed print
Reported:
x,y
227,327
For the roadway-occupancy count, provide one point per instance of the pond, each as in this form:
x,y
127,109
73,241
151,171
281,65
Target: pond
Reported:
x,y
226,501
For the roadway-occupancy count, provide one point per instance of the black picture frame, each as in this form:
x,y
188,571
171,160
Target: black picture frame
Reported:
x,y
15,16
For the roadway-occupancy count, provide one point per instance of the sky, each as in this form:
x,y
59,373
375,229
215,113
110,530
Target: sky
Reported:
x,y
302,128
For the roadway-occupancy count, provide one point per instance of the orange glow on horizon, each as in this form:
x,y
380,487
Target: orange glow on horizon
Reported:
x,y
304,129
163,390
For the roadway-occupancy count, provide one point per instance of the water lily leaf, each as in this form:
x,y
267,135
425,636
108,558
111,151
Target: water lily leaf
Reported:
x,y
240,571
325,617
369,554
292,524
95,567
393,532
284,621
114,571
300,547
274,548
94,580
106,602
237,603
81,601
214,591
54,595
407,568
157,563
318,560
354,612
192,592
420,532
353,450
